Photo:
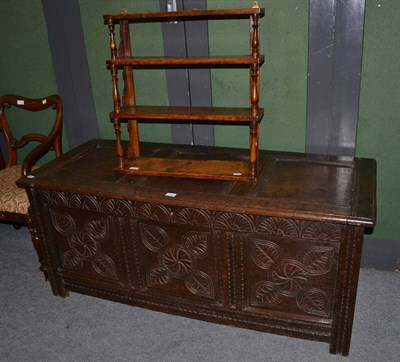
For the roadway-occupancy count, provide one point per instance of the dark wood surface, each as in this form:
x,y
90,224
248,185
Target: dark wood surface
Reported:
x,y
280,254
290,185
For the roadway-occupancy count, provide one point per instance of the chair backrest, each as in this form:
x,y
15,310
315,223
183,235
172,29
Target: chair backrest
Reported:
x,y
51,141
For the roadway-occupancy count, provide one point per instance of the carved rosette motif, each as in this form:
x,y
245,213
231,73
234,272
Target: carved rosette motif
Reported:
x,y
233,222
320,231
195,217
291,278
278,227
84,243
178,261
151,211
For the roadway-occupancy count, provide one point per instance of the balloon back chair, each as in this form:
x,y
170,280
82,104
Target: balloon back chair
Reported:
x,y
14,203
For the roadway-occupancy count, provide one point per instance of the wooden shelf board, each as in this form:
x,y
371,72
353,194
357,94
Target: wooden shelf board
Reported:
x,y
173,167
216,60
224,114
185,14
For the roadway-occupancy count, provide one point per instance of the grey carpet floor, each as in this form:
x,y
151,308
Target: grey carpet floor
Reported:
x,y
36,326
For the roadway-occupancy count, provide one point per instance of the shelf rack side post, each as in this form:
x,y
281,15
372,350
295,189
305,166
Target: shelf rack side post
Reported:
x,y
116,97
128,97
254,92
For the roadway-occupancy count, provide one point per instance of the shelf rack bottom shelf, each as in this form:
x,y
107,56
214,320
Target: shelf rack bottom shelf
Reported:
x,y
175,167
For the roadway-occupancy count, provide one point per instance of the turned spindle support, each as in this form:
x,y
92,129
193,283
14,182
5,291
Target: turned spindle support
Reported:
x,y
115,93
119,148
254,92
113,68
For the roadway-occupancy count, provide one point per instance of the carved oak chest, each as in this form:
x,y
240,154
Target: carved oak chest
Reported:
x,y
280,255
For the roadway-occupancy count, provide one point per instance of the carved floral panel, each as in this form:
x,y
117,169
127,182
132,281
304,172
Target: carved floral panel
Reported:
x,y
291,275
179,260
81,245
86,226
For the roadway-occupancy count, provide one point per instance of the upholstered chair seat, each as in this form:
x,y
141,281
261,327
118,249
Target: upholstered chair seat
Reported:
x,y
12,198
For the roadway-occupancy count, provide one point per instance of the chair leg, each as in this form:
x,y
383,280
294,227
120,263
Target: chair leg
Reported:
x,y
37,246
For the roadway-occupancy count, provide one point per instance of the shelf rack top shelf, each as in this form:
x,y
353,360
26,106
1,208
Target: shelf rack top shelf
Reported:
x,y
185,14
